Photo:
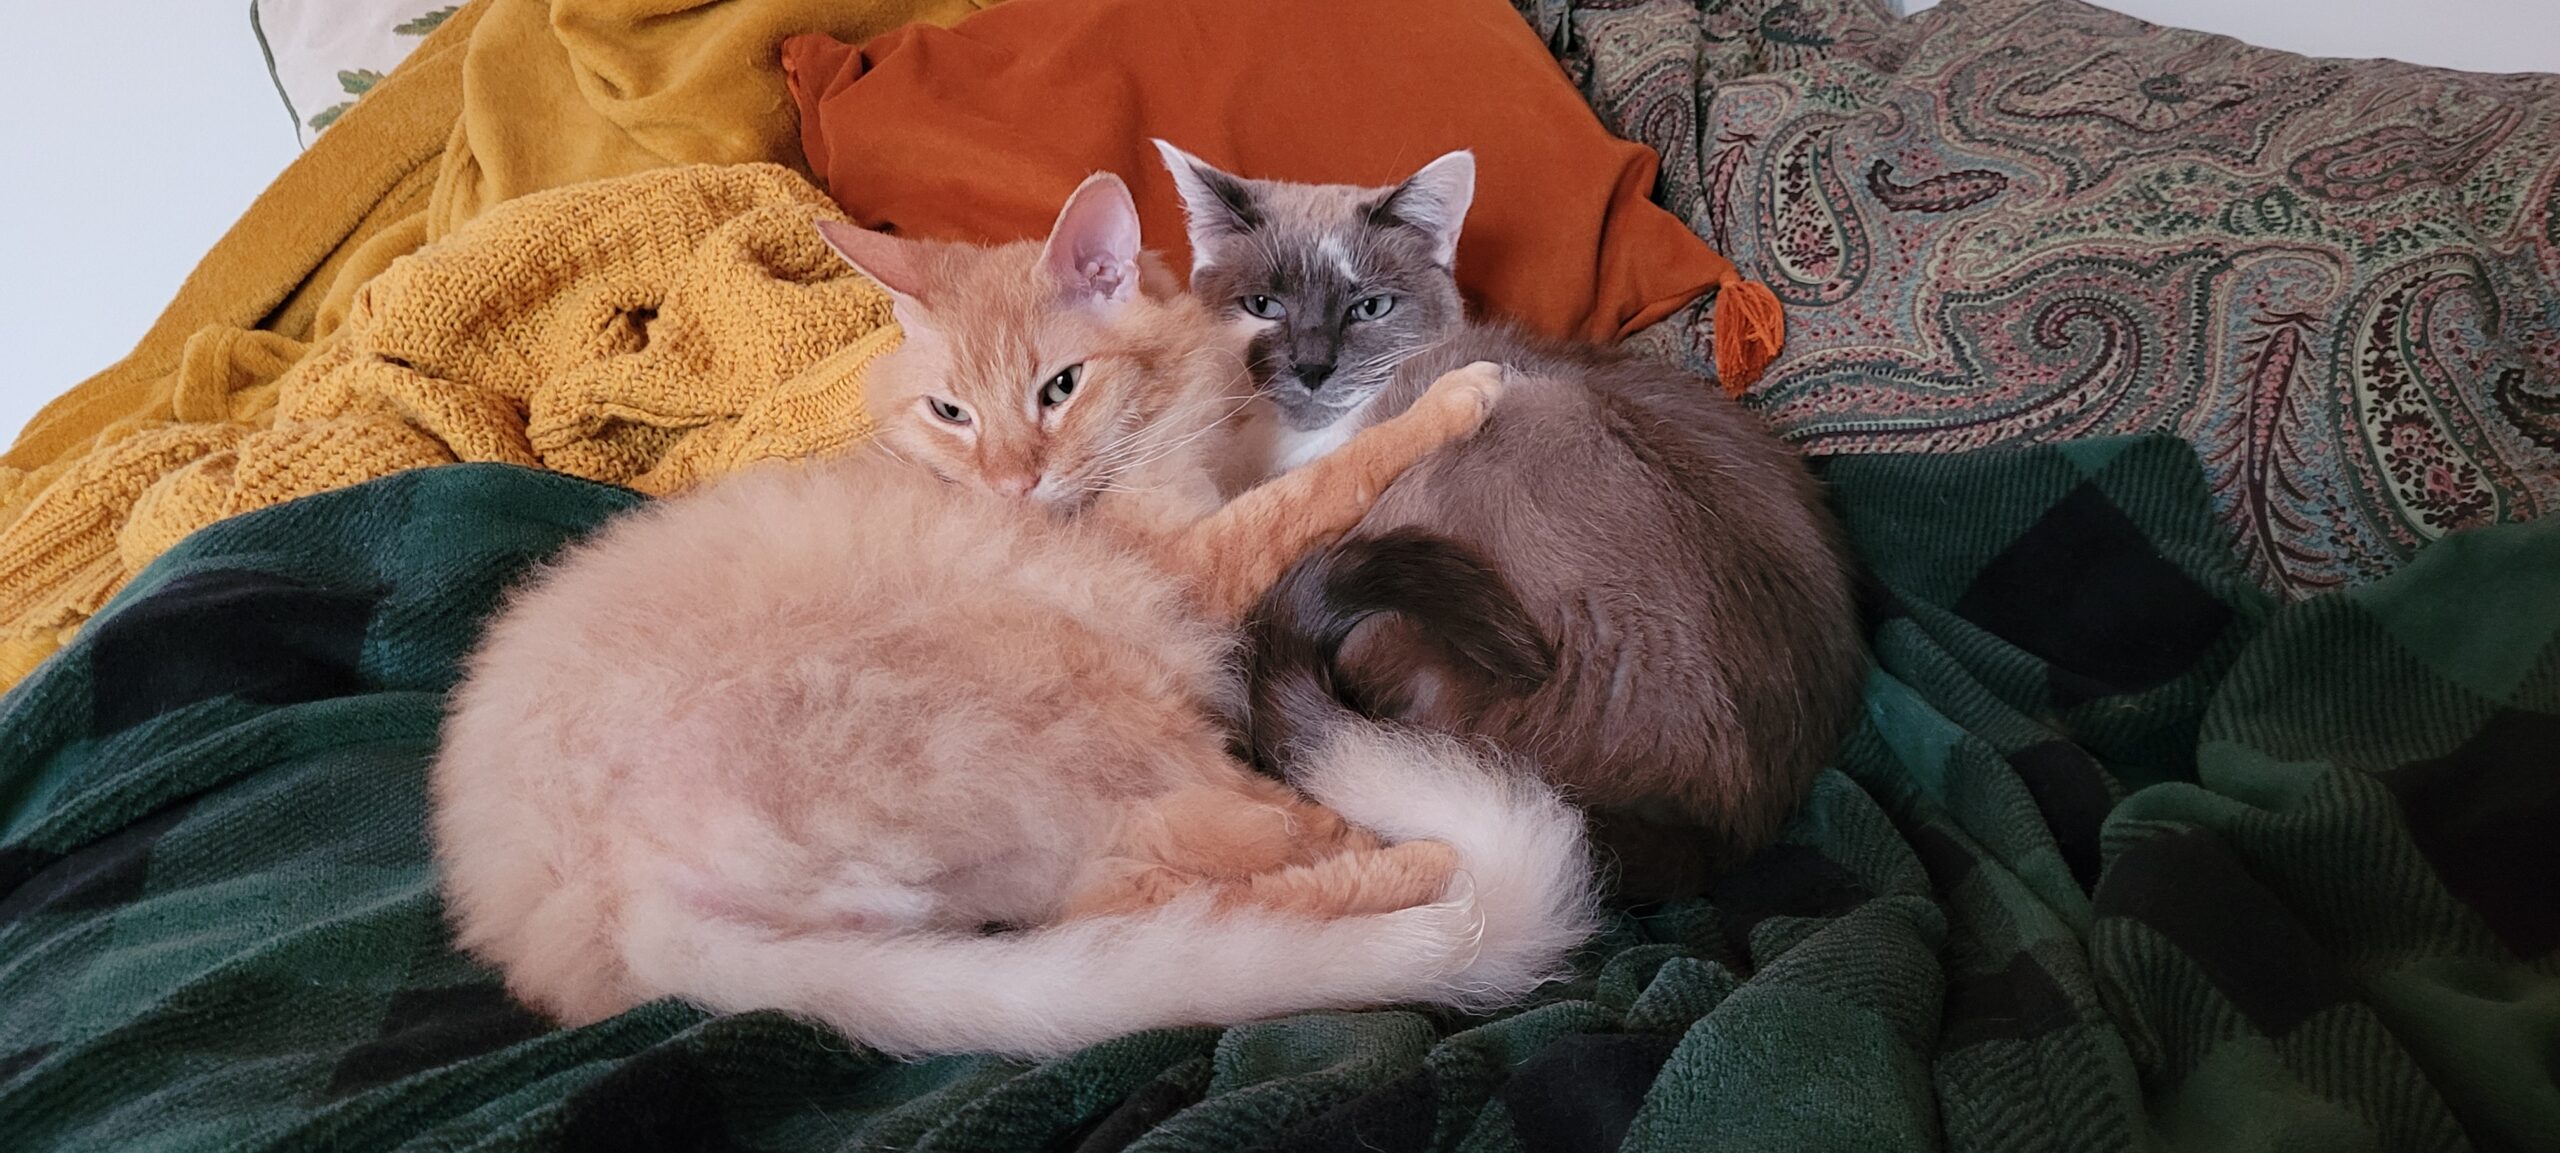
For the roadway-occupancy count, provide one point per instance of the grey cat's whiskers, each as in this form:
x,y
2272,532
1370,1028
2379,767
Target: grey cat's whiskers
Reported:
x,y
1382,365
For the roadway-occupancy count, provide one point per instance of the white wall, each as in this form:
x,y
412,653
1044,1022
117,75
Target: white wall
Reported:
x,y
132,132
2478,35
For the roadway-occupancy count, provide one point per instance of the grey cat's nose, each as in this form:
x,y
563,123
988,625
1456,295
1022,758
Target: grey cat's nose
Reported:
x,y
1312,375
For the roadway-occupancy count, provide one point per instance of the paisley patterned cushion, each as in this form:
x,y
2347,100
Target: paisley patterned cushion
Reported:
x,y
2005,221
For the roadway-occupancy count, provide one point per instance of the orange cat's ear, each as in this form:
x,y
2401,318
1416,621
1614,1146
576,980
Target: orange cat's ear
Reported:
x,y
878,255
1093,249
888,261
1433,202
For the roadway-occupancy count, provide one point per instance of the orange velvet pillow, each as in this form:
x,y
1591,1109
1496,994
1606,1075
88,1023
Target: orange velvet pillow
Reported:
x,y
979,131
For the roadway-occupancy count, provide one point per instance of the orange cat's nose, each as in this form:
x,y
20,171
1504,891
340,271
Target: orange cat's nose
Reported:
x,y
1017,485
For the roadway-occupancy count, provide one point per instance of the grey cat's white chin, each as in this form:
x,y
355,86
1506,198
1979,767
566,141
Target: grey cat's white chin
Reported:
x,y
1310,417
1305,412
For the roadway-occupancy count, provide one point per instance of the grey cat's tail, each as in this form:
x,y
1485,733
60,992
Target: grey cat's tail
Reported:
x,y
1472,628
1506,924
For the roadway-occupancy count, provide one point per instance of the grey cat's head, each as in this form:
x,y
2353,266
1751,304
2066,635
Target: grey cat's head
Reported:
x,y
1342,283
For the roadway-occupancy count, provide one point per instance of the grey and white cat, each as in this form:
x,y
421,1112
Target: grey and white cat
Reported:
x,y
1623,576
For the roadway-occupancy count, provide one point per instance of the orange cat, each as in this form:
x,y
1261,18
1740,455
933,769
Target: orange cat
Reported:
x,y
799,739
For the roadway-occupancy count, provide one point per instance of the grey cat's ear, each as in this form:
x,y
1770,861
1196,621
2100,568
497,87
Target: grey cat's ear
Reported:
x,y
891,263
1434,202
1215,204
1093,248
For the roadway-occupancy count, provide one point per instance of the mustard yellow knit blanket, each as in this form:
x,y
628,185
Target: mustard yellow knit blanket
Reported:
x,y
432,282
649,330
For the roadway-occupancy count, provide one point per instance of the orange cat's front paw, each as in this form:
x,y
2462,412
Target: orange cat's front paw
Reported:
x,y
1357,883
1469,392
1119,887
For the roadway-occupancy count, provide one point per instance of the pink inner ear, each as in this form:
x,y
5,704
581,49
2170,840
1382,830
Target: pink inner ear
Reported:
x,y
1093,248
878,255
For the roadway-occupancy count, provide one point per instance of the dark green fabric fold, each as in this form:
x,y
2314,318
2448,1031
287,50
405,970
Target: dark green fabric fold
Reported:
x,y
2120,855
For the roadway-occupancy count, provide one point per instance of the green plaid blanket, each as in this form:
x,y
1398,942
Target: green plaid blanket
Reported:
x,y
2120,856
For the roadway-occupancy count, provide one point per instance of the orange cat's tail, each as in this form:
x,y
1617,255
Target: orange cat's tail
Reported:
x,y
1520,904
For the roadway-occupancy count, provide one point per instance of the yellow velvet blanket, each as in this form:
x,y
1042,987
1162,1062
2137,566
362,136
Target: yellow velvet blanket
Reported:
x,y
649,330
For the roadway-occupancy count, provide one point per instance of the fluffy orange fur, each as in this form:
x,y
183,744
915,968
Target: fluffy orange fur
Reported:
x,y
793,741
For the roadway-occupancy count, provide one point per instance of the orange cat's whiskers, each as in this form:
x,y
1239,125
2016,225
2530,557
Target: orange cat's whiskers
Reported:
x,y
1139,449
1133,440
1242,368
1144,435
1125,490
881,445
1161,451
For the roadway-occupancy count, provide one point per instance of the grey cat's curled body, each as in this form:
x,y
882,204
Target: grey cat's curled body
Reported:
x,y
1624,576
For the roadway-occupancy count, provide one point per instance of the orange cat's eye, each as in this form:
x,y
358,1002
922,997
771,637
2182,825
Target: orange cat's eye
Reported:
x,y
1058,388
945,411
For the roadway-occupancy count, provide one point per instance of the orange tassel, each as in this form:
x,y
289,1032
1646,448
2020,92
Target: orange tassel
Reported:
x,y
1750,329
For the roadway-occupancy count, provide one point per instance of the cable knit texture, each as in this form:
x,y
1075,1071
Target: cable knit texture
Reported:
x,y
651,330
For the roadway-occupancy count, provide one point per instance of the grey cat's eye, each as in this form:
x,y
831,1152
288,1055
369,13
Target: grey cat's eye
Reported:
x,y
946,411
1372,307
1061,386
1263,306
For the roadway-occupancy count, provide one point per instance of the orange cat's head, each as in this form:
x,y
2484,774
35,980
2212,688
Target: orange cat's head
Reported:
x,y
1043,370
